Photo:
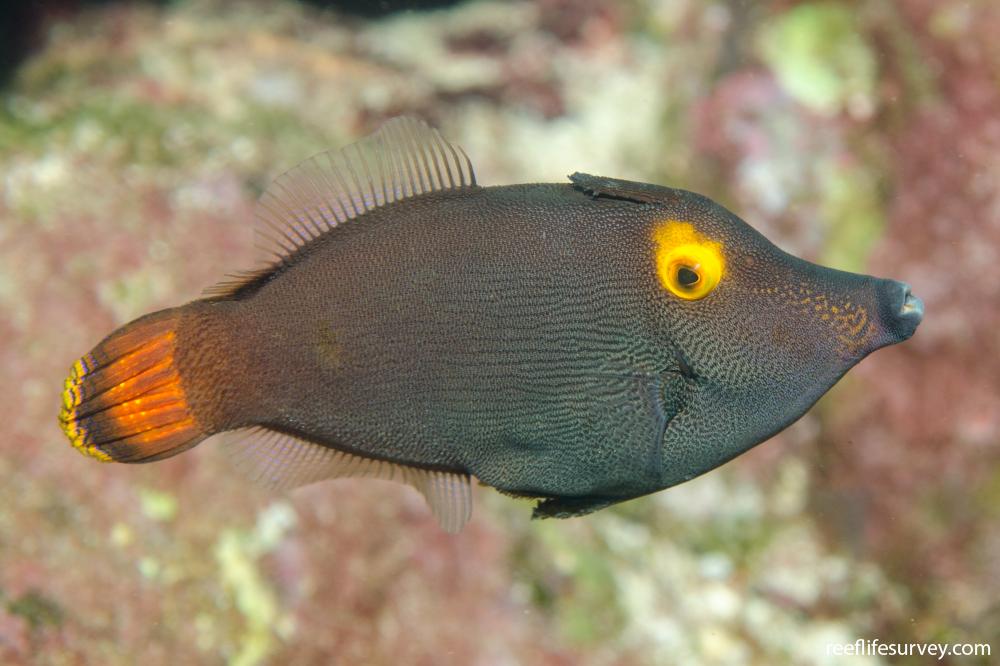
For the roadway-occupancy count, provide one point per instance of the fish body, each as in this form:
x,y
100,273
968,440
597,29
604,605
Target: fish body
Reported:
x,y
582,343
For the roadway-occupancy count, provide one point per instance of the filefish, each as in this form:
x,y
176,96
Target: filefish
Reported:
x,y
581,343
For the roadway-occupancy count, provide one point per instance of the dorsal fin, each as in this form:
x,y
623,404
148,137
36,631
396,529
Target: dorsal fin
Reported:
x,y
615,188
405,157
280,461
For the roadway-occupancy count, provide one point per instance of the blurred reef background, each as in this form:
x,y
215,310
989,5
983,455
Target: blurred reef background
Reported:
x,y
134,140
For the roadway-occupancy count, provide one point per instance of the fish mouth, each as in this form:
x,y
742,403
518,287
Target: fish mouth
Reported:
x,y
912,307
902,312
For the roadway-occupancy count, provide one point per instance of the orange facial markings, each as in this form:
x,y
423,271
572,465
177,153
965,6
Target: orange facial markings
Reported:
x,y
849,324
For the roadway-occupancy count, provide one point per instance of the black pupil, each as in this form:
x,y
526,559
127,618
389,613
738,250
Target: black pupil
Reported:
x,y
687,277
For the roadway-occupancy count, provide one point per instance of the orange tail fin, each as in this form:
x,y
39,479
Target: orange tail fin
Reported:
x,y
125,401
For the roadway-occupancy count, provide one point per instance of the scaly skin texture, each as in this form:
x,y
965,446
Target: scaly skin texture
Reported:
x,y
522,334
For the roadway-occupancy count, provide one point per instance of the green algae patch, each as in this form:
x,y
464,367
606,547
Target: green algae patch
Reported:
x,y
237,554
37,609
158,505
852,209
571,578
820,57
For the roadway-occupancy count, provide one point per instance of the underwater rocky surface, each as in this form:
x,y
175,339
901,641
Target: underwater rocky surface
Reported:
x,y
863,135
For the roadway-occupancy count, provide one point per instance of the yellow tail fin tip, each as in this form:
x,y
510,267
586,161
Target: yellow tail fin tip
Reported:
x,y
76,434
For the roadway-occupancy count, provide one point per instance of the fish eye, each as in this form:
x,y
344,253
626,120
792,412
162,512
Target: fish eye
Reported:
x,y
689,264
690,271
687,276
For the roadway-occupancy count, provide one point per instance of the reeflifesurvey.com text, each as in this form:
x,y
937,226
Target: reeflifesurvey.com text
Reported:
x,y
873,647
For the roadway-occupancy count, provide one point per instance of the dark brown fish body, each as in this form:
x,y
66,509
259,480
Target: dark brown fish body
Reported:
x,y
521,334
492,340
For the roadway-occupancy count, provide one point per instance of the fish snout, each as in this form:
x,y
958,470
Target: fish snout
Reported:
x,y
904,311
912,307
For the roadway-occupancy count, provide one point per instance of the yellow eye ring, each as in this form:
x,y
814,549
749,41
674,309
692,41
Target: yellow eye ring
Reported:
x,y
690,271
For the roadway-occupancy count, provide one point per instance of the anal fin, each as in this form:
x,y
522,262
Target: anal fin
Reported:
x,y
282,461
